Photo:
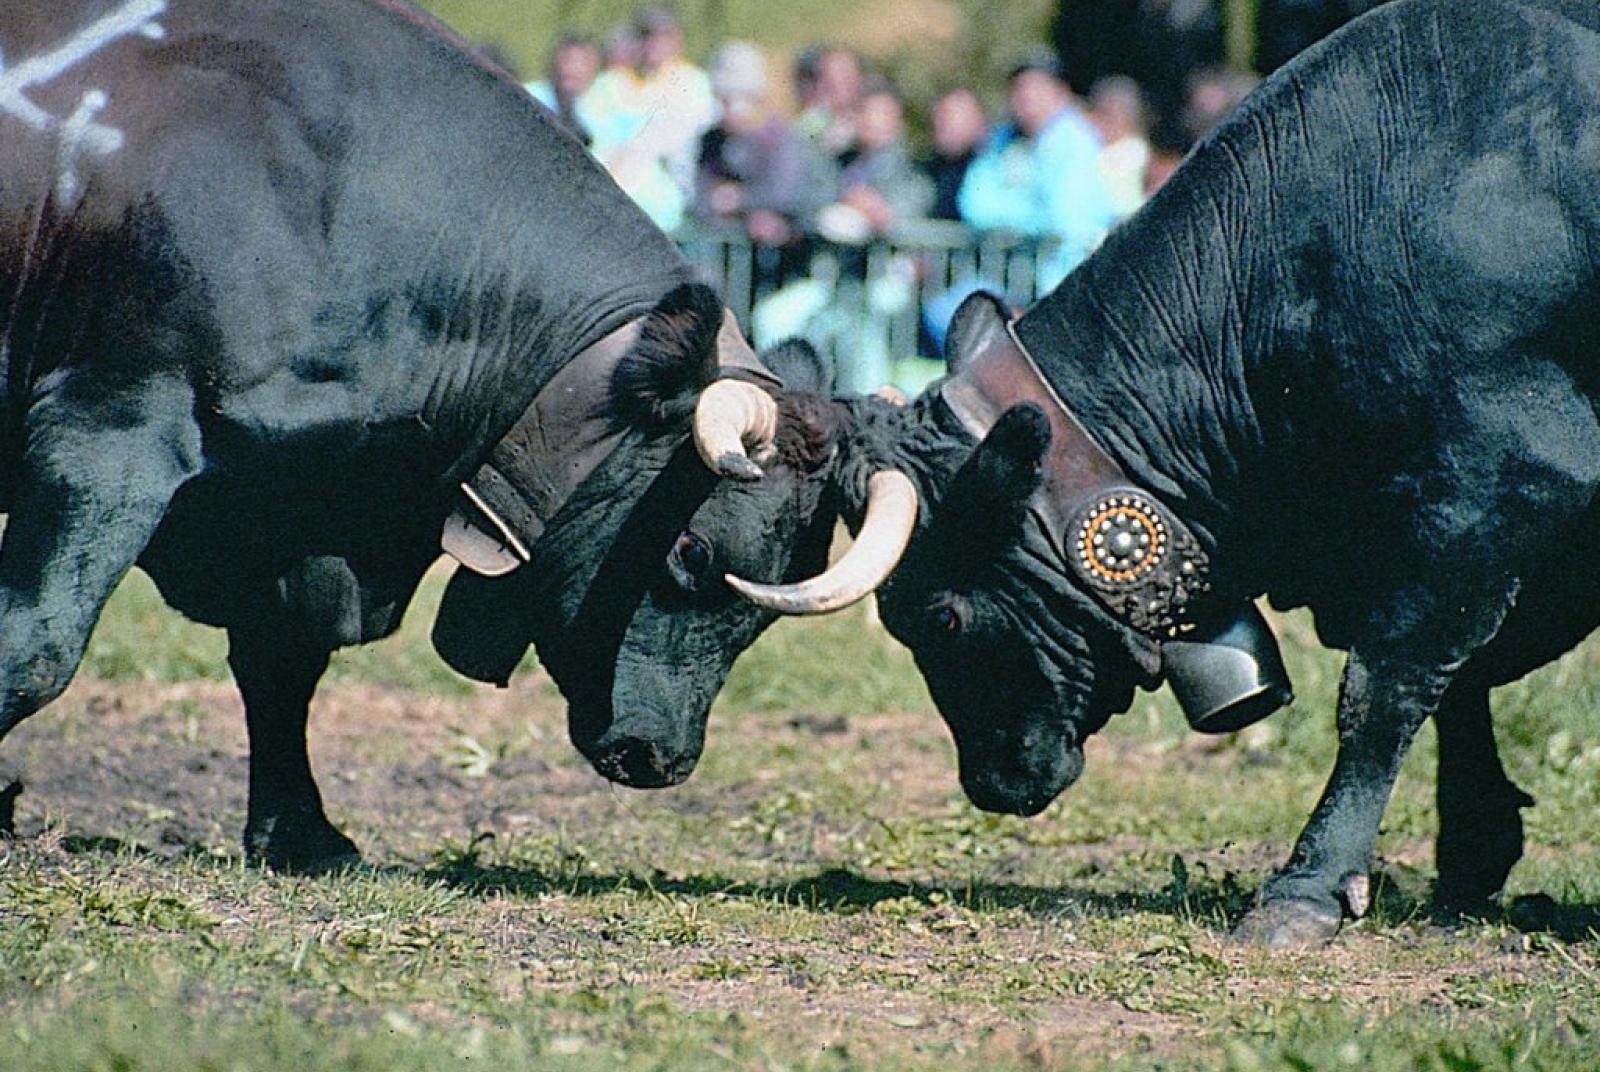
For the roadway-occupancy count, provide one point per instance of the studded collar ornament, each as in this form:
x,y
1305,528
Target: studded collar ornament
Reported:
x,y
1129,551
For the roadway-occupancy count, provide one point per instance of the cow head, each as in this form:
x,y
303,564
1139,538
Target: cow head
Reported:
x,y
629,595
1022,665
1029,624
737,497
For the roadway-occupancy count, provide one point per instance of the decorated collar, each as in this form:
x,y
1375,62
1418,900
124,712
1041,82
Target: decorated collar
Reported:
x,y
555,445
1136,557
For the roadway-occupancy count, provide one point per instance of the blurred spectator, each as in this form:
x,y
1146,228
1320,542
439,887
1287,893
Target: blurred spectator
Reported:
x,y
959,131
615,112
1155,42
1169,144
1214,92
1116,109
754,168
574,65
804,73
1040,174
612,104
674,93
879,186
646,112
831,94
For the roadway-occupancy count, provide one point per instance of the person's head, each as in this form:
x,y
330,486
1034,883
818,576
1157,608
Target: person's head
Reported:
x,y
1169,144
739,81
623,47
573,65
662,35
1116,108
1213,93
959,125
806,66
880,117
839,79
1037,92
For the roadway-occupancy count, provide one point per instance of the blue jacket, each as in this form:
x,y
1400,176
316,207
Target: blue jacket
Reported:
x,y
1049,187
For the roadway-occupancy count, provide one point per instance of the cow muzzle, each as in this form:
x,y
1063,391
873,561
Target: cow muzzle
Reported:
x,y
1025,789
640,763
1228,678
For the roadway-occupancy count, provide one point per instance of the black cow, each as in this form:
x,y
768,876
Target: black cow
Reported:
x,y
284,285
1347,359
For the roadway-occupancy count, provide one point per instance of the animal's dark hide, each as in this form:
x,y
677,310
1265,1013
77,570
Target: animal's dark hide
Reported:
x,y
1352,346
274,277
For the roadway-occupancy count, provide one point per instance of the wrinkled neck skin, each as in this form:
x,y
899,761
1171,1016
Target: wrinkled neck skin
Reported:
x,y
1145,344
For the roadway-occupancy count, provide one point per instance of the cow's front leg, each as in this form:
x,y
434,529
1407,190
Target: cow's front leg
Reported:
x,y
277,671
1480,820
89,496
1382,703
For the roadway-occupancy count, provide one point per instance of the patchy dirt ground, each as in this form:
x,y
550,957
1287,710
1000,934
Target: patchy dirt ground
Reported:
x,y
165,766
818,879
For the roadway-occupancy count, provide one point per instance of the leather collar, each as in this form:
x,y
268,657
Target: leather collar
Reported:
x,y
1135,556
553,447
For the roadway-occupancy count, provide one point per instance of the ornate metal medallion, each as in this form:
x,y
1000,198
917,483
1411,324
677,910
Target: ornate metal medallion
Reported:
x,y
1121,539
1145,569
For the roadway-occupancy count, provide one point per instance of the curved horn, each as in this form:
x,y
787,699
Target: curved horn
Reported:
x,y
891,516
732,421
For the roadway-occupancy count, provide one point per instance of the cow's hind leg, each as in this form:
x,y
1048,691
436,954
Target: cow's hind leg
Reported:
x,y
92,489
1480,820
277,670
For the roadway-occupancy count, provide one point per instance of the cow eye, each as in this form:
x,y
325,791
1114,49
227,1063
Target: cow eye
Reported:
x,y
946,619
692,555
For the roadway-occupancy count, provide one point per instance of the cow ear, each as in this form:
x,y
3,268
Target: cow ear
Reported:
x,y
979,320
800,367
673,357
993,486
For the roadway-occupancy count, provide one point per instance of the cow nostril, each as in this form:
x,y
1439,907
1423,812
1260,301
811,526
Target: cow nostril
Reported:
x,y
640,764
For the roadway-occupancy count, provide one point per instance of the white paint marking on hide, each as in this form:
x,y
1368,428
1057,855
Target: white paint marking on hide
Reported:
x,y
81,133
78,132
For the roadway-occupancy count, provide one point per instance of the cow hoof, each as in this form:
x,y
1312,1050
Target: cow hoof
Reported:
x,y
1293,923
1454,904
1533,912
302,848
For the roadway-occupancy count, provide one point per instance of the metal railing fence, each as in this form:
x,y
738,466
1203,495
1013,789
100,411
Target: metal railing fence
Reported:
x,y
873,308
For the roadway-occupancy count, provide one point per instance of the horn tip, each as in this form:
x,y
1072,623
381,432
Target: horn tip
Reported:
x,y
736,466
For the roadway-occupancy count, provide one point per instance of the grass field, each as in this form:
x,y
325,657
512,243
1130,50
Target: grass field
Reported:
x,y
817,897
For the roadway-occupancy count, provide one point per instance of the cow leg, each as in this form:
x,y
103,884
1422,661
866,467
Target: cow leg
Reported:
x,y
277,670
88,500
1382,704
1480,820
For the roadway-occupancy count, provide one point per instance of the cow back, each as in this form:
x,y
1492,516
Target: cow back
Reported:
x,y
262,195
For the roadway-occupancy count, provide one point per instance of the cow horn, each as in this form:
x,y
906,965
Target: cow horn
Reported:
x,y
891,515
735,424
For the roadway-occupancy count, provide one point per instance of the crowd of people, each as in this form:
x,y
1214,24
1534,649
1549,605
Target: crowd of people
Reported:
x,y
711,147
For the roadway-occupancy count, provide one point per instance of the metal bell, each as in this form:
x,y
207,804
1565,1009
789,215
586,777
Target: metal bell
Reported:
x,y
1228,678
